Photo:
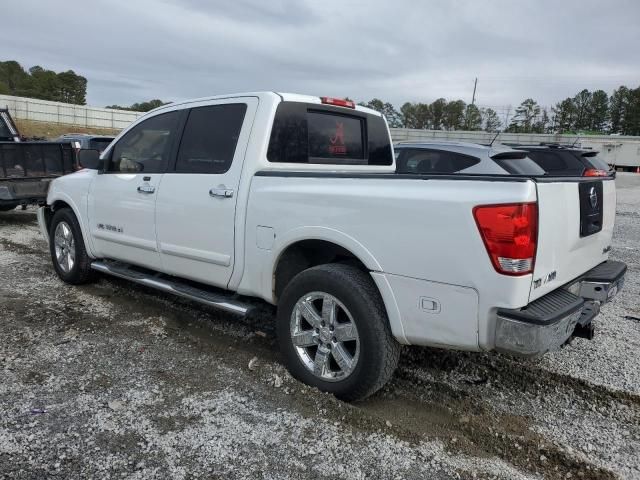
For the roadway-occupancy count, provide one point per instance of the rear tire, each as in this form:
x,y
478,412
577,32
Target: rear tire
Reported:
x,y
68,253
343,343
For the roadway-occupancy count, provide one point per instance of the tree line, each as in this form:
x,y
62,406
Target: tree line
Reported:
x,y
38,82
66,87
586,112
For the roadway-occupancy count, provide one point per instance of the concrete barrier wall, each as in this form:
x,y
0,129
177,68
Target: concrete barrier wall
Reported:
x,y
22,108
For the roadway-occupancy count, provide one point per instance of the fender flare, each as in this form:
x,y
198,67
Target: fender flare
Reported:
x,y
328,235
59,196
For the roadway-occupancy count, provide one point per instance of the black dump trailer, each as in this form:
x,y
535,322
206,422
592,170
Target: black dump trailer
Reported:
x,y
26,168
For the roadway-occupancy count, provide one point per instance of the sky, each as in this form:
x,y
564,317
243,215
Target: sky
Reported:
x,y
398,51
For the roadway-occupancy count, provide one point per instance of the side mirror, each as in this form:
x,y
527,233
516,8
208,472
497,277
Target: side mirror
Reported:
x,y
89,159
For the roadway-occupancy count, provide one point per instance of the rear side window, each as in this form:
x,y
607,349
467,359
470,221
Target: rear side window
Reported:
x,y
309,133
595,161
558,163
518,165
146,147
210,138
425,161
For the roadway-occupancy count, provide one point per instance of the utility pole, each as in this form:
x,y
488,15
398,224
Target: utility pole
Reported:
x,y
475,84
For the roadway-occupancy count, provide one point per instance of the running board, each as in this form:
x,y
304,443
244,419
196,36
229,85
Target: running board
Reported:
x,y
223,301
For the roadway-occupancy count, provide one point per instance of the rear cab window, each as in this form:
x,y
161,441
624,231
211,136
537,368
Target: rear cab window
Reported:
x,y
321,134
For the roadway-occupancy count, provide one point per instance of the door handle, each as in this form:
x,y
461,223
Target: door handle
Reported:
x,y
146,189
221,192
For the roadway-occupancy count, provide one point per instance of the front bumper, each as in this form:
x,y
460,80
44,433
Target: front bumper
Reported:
x,y
550,321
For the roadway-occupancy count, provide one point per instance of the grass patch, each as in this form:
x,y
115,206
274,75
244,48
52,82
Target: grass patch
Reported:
x,y
30,128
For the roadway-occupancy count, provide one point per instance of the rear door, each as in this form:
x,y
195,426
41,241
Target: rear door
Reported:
x,y
122,199
196,206
576,218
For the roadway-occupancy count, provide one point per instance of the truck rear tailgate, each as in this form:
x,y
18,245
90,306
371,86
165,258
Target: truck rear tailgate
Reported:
x,y
576,220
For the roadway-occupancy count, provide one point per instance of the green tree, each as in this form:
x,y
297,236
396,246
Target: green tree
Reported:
x,y
472,118
454,115
72,88
141,107
394,118
13,78
599,111
618,108
407,113
582,105
564,114
437,113
490,120
525,116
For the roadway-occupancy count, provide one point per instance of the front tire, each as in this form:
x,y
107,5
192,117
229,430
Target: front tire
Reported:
x,y
68,253
334,333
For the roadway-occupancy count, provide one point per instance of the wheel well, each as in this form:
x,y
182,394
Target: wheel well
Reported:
x,y
51,209
306,254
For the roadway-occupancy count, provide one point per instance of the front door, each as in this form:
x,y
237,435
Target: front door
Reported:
x,y
196,206
123,198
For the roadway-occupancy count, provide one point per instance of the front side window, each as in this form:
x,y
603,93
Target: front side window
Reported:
x,y
210,138
146,147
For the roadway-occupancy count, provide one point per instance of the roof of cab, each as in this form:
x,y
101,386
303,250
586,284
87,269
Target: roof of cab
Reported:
x,y
286,97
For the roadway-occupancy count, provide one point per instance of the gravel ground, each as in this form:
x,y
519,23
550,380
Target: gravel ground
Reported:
x,y
114,381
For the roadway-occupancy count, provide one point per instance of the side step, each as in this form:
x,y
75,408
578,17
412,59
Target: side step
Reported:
x,y
218,299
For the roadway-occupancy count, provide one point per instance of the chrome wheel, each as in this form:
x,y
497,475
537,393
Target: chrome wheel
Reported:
x,y
65,247
325,336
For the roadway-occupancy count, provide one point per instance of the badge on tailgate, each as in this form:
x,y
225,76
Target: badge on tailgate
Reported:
x,y
591,207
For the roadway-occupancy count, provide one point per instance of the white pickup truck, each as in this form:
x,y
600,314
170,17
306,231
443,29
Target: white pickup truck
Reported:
x,y
294,201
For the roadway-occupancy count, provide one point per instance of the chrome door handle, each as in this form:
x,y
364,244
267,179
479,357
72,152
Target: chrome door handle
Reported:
x,y
221,192
146,189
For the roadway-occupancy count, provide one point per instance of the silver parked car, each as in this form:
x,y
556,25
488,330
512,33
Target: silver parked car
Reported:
x,y
433,157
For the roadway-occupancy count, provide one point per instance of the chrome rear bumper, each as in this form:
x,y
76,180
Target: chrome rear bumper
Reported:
x,y
550,321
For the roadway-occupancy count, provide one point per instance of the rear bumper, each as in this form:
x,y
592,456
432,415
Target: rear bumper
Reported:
x,y
550,321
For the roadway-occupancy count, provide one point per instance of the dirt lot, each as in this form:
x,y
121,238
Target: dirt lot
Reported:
x,y
113,381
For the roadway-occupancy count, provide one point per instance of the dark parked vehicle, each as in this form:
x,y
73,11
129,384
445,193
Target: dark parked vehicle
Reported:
x,y
87,141
567,161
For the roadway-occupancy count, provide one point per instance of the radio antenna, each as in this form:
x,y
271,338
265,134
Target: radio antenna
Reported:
x,y
494,138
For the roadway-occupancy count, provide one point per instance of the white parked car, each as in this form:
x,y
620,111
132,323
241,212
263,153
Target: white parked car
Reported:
x,y
294,200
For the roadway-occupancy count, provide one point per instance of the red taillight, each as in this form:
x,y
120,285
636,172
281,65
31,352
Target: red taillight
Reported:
x,y
510,233
338,102
594,172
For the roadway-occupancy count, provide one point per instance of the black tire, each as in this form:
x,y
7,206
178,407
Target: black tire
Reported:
x,y
7,208
81,271
378,350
